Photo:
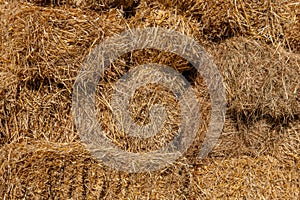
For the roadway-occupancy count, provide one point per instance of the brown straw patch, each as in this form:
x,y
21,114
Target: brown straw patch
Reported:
x,y
260,81
42,51
264,20
43,45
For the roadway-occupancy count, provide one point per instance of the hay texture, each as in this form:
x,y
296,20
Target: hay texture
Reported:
x,y
149,17
95,5
39,169
260,81
264,20
42,51
42,47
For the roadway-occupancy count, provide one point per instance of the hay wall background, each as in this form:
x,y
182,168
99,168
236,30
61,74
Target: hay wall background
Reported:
x,y
255,45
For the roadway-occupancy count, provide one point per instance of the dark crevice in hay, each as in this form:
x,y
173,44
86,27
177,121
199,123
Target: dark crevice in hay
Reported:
x,y
84,180
104,188
18,90
191,74
70,190
218,38
128,183
130,11
126,6
184,172
245,118
49,184
49,2
37,82
3,137
119,184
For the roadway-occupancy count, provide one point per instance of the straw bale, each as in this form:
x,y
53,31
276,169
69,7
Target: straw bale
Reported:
x,y
41,52
168,18
288,148
260,161
260,81
45,43
263,177
261,137
146,17
265,20
40,169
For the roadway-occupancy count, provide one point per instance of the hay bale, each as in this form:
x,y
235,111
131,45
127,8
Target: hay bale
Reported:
x,y
288,147
223,19
52,43
249,161
259,138
40,169
260,80
169,19
42,51
246,177
148,17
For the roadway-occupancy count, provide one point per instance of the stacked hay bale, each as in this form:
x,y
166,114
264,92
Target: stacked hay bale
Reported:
x,y
270,21
261,81
42,49
149,17
43,58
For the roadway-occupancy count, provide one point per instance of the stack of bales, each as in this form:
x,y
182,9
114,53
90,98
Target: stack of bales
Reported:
x,y
43,49
255,46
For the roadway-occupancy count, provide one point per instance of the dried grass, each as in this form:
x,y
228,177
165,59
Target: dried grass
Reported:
x,y
260,81
148,17
40,169
292,31
168,18
264,20
96,5
41,51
